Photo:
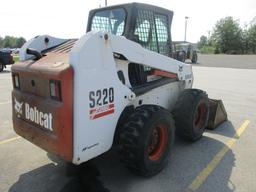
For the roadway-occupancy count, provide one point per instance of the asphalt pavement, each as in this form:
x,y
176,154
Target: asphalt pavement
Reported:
x,y
223,160
227,61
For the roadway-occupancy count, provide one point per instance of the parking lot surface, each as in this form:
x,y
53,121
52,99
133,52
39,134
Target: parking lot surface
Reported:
x,y
227,61
223,160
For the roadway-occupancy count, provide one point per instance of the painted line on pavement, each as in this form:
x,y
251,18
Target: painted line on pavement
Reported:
x,y
4,103
9,140
202,176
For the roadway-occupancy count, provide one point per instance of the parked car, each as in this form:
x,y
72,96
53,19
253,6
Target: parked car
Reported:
x,y
6,58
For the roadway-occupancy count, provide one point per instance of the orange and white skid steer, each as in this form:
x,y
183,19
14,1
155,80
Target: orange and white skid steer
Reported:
x,y
118,82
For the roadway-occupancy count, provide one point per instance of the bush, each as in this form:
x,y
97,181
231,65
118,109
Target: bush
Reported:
x,y
16,58
207,49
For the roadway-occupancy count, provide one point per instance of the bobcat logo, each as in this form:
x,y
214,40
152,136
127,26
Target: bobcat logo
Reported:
x,y
180,68
18,107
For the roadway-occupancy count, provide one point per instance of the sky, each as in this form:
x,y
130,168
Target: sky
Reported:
x,y
68,18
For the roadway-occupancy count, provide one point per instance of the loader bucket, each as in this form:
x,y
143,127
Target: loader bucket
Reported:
x,y
217,113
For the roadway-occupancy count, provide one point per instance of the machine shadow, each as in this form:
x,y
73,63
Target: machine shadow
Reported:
x,y
60,177
5,71
186,161
45,178
226,129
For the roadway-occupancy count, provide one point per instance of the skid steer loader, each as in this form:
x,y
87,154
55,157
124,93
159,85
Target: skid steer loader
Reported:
x,y
116,84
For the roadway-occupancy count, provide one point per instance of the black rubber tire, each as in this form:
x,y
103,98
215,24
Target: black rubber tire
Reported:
x,y
1,67
191,113
136,135
181,56
194,58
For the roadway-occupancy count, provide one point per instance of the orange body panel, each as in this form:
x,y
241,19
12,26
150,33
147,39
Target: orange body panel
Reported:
x,y
59,140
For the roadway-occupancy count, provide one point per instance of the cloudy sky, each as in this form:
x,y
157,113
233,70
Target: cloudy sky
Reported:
x,y
68,18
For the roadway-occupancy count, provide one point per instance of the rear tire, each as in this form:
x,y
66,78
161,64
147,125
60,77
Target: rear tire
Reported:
x,y
194,58
191,114
146,139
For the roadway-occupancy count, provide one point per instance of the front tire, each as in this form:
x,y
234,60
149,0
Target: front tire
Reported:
x,y
146,139
181,56
191,114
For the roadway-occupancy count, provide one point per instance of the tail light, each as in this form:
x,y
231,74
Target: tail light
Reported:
x,y
16,81
55,90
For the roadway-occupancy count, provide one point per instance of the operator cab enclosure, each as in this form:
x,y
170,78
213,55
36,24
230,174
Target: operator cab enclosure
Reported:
x,y
148,25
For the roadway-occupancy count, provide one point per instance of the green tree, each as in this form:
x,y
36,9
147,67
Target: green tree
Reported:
x,y
227,36
12,42
1,42
245,40
9,41
252,38
20,41
202,42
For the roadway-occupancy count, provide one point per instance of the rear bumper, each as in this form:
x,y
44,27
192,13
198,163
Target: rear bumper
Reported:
x,y
59,140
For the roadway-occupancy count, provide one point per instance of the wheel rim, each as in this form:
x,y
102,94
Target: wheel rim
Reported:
x,y
200,116
157,142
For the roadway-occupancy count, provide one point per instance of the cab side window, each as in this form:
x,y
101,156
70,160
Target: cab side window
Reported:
x,y
145,33
162,34
151,31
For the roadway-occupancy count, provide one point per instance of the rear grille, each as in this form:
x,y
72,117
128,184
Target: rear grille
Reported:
x,y
64,47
